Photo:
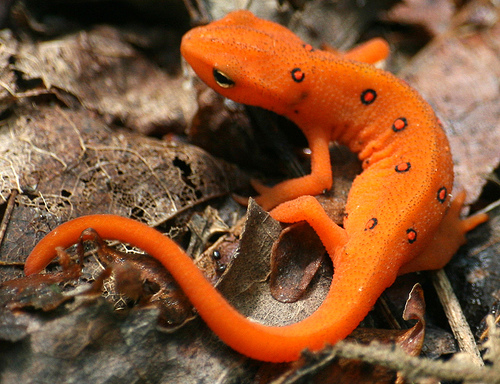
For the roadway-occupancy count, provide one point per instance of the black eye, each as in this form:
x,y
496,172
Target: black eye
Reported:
x,y
222,80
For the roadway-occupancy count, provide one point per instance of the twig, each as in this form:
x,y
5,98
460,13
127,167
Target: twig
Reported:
x,y
8,213
456,317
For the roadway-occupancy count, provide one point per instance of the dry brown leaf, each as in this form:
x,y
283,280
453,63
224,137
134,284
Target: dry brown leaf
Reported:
x,y
8,45
475,272
324,367
90,343
291,275
295,258
339,23
140,278
214,120
69,164
458,75
434,16
109,76
38,291
245,284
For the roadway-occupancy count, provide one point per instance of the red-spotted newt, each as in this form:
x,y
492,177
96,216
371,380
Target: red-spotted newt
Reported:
x,y
399,214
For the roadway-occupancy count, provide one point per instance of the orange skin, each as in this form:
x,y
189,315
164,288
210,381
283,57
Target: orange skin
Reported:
x,y
399,212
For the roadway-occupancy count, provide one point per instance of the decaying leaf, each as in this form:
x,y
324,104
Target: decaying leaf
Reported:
x,y
465,97
245,284
70,164
475,275
214,120
339,24
86,331
294,263
433,16
38,291
8,45
89,342
109,76
324,367
142,279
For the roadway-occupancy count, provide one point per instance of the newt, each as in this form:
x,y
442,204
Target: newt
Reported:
x,y
399,214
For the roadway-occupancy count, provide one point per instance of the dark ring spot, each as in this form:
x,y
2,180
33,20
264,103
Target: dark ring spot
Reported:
x,y
298,75
308,47
372,223
403,167
412,235
368,96
442,194
399,124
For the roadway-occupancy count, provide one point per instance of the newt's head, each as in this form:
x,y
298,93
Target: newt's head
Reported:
x,y
250,60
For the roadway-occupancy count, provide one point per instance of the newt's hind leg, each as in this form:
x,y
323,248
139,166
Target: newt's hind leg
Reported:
x,y
448,238
307,208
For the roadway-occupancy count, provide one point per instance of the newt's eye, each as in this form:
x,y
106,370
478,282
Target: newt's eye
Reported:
x,y
223,80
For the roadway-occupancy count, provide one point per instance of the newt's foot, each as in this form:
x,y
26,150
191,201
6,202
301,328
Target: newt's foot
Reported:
x,y
449,236
456,226
242,200
267,197
469,223
261,188
264,198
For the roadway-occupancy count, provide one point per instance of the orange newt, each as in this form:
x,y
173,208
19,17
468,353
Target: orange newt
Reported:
x,y
399,214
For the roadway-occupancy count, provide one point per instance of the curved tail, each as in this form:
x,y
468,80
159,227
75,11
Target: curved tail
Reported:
x,y
334,320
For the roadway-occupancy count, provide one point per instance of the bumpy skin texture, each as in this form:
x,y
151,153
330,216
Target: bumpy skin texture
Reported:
x,y
398,218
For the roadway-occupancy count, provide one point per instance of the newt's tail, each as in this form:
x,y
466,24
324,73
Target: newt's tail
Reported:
x,y
345,306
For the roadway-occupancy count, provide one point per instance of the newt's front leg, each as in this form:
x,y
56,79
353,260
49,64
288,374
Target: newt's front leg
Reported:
x,y
313,184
